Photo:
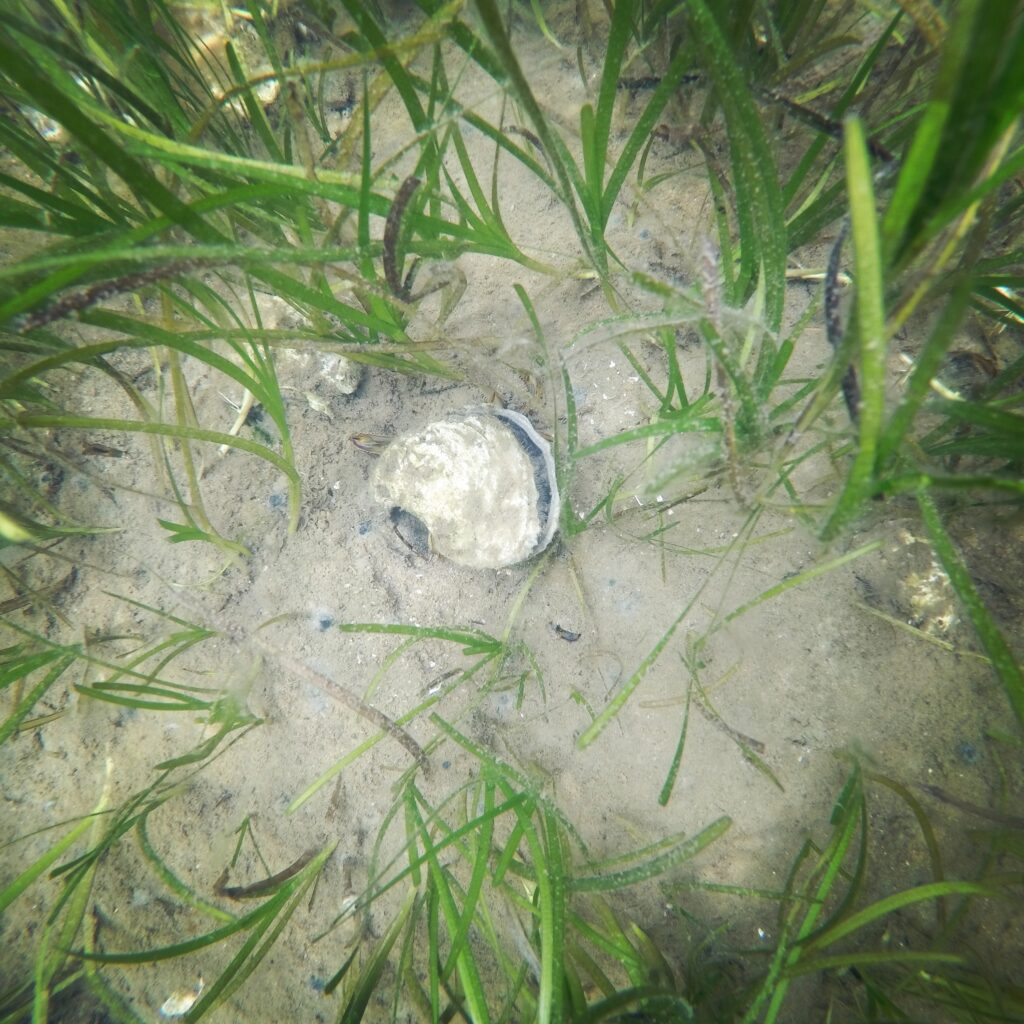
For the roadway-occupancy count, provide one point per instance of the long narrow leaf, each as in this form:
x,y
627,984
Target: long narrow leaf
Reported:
x,y
870,326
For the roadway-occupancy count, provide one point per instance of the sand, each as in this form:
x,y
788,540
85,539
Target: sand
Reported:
x,y
870,660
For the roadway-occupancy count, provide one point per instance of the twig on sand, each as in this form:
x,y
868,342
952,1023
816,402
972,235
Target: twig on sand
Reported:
x,y
347,698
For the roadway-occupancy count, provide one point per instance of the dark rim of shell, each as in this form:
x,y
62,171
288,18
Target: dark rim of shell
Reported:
x,y
542,464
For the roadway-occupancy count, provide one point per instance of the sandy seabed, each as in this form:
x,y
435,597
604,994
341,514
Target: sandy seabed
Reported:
x,y
822,670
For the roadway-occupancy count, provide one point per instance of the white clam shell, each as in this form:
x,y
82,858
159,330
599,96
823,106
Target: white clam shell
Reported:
x,y
482,482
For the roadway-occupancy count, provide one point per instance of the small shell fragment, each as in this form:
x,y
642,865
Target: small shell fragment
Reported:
x,y
481,482
180,1002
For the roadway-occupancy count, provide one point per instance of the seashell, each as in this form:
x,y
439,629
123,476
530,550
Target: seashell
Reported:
x,y
179,1003
479,483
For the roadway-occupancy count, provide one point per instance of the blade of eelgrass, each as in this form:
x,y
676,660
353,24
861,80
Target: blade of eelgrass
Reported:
x,y
673,769
192,508
847,814
257,115
122,250
952,481
680,849
116,669
476,912
550,875
29,700
927,833
374,36
353,755
885,958
603,720
569,178
608,935
997,433
227,724
759,207
870,325
478,856
441,888
473,641
522,782
58,937
257,921
837,113
417,860
157,698
641,133
18,662
615,705
800,578
52,100
693,419
163,429
485,219
13,889
983,58
926,367
263,936
1001,422
368,982
887,905
1003,660
554,868
396,71
595,125
917,164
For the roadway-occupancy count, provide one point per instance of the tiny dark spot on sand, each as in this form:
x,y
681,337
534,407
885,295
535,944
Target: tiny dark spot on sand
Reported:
x,y
278,499
565,634
968,752
364,527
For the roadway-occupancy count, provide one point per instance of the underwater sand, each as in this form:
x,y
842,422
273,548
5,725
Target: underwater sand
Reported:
x,y
798,680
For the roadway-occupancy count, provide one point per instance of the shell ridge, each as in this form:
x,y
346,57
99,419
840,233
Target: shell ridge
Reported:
x,y
544,473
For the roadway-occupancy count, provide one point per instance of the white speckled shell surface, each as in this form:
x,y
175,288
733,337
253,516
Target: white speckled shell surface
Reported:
x,y
481,481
